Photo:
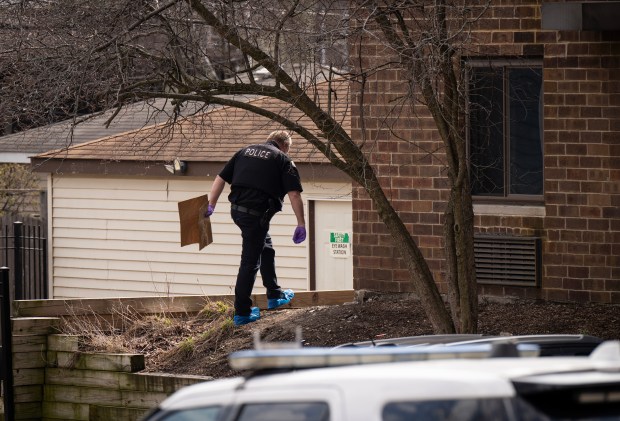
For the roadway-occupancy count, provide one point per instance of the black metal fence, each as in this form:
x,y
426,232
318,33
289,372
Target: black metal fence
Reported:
x,y
23,248
6,351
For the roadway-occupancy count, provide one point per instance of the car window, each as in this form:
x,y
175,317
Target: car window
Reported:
x,y
209,413
288,411
560,408
446,410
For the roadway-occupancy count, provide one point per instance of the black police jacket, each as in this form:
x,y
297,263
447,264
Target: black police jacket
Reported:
x,y
264,169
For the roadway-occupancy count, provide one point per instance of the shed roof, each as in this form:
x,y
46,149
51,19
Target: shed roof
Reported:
x,y
65,134
212,136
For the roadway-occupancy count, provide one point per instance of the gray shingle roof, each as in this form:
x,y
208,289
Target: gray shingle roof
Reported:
x,y
66,134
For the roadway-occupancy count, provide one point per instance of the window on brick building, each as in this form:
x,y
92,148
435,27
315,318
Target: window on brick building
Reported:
x,y
505,130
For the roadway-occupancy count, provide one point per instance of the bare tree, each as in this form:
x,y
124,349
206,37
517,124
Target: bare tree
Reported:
x,y
18,189
112,53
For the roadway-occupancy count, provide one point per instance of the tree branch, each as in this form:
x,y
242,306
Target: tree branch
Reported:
x,y
248,106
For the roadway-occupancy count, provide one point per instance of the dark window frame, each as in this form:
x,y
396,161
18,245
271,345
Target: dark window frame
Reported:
x,y
503,64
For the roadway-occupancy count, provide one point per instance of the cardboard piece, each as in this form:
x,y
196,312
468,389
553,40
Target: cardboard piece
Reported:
x,y
195,227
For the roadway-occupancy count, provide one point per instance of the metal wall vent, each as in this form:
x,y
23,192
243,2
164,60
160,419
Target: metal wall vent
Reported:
x,y
507,260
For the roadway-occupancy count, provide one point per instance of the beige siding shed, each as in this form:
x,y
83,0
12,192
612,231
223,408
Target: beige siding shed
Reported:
x,y
119,236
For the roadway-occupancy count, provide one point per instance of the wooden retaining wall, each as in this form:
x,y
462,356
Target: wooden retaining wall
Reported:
x,y
53,380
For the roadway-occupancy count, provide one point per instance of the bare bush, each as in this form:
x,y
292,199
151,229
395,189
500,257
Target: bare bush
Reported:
x,y
164,336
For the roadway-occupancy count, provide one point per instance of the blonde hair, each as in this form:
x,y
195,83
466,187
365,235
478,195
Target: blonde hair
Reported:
x,y
281,137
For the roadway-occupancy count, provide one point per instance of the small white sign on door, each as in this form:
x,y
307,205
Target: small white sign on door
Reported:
x,y
339,244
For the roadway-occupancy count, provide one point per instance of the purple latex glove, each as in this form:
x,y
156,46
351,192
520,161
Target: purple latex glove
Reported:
x,y
209,211
299,235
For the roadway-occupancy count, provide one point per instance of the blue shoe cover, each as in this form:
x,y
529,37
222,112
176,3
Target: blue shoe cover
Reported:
x,y
244,320
285,297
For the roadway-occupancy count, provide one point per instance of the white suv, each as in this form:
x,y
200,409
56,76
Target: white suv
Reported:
x,y
405,384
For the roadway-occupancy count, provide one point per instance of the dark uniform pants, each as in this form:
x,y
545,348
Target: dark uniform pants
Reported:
x,y
257,253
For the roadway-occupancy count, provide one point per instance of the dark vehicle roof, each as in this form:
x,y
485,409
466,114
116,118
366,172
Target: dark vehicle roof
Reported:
x,y
549,345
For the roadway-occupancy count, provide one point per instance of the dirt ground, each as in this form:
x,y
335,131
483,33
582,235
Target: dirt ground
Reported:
x,y
379,317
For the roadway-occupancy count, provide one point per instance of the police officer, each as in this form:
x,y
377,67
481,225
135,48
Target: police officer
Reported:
x,y
260,176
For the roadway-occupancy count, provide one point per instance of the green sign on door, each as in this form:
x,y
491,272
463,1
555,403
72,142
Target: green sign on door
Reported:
x,y
340,244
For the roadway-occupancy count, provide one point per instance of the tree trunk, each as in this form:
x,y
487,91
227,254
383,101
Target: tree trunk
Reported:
x,y
461,274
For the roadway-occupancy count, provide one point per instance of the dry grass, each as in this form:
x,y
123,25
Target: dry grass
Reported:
x,y
164,336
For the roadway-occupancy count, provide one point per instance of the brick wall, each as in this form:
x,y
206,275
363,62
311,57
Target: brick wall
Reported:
x,y
582,166
580,223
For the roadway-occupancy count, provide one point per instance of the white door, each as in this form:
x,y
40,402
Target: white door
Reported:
x,y
333,234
